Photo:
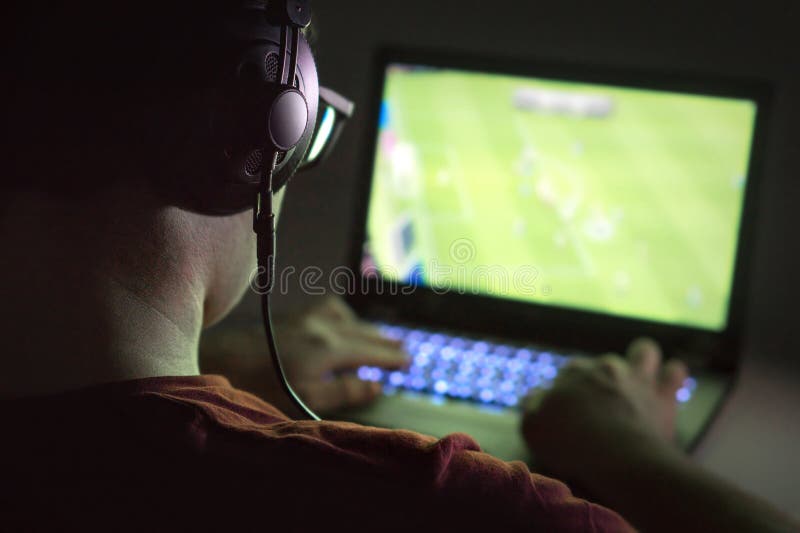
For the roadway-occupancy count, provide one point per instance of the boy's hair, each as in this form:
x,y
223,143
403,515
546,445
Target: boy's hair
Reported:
x,y
87,86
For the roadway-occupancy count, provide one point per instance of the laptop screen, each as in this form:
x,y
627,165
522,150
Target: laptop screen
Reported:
x,y
610,199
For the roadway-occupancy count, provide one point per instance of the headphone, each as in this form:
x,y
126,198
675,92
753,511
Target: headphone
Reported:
x,y
260,114
258,126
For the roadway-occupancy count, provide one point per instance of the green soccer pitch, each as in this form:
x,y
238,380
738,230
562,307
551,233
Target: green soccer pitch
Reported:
x,y
632,211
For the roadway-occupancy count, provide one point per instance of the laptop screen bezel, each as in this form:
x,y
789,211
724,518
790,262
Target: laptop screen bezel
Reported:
x,y
546,324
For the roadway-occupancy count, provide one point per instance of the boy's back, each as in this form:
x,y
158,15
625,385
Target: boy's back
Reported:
x,y
195,453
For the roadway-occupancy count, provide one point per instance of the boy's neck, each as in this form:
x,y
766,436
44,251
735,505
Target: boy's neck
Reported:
x,y
83,305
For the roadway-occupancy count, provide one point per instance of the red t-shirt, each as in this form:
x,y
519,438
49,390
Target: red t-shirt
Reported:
x,y
193,453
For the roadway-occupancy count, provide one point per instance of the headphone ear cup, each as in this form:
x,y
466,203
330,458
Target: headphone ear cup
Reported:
x,y
251,108
288,119
308,85
215,157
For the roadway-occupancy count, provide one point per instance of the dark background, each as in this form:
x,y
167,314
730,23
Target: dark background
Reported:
x,y
755,440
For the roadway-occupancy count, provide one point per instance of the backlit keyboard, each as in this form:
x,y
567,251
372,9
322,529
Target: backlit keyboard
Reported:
x,y
472,369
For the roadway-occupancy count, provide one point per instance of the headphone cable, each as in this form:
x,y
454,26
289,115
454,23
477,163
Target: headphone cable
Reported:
x,y
276,359
264,226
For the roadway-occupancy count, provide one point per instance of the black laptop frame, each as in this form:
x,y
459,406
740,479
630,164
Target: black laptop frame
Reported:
x,y
549,324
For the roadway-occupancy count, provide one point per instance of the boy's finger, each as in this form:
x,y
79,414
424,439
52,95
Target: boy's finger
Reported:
x,y
343,392
645,358
672,377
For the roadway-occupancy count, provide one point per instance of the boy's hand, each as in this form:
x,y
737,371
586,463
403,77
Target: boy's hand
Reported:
x,y
599,408
320,350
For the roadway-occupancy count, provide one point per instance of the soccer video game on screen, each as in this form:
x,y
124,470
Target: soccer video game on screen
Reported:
x,y
611,199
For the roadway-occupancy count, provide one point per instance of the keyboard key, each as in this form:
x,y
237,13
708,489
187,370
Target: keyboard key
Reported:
x,y
481,347
486,395
416,335
503,351
683,395
396,379
458,343
524,355
437,339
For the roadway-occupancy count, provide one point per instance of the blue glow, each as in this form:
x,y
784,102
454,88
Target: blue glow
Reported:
x,y
395,332
437,339
415,335
503,351
441,386
418,383
464,391
524,355
422,360
416,370
498,376
448,353
466,368
510,400
458,343
481,347
494,361
683,395
464,375
369,373
426,348
515,365
484,383
385,120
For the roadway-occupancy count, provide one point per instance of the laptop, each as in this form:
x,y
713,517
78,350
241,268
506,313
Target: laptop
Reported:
x,y
514,215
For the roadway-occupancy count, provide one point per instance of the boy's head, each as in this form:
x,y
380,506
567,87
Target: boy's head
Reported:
x,y
141,90
105,103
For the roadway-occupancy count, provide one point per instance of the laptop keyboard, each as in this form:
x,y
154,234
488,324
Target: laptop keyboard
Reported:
x,y
472,369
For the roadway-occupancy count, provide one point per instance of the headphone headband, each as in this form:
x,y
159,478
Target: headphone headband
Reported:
x,y
295,13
